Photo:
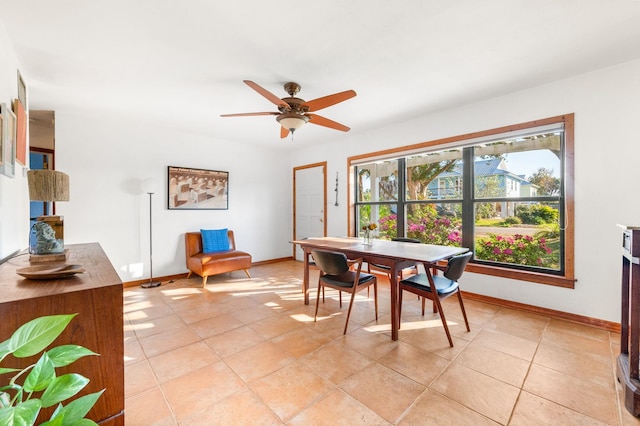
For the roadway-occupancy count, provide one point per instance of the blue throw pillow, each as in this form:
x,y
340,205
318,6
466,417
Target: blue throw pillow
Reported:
x,y
214,240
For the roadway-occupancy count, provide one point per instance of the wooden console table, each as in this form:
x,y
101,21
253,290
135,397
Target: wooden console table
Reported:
x,y
96,296
629,358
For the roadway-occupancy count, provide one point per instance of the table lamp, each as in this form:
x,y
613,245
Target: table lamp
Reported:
x,y
48,186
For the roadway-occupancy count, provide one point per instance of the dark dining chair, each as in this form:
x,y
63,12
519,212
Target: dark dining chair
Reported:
x,y
336,273
423,285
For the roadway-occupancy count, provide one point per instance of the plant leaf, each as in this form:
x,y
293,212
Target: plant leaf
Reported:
x,y
37,334
40,375
75,411
63,387
55,422
8,370
24,414
84,422
4,349
67,354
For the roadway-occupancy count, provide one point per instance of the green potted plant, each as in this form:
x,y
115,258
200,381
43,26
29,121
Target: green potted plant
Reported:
x,y
37,386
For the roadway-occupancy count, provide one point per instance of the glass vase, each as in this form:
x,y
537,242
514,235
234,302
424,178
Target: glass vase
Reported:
x,y
366,238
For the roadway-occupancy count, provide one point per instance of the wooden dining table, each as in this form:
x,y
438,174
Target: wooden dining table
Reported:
x,y
394,254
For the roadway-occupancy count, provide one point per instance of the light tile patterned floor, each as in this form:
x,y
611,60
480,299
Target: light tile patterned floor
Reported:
x,y
246,352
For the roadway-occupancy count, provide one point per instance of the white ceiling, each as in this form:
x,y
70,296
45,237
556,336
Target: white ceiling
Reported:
x,y
183,62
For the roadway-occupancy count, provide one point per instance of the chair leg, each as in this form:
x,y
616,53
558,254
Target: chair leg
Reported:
x,y
464,313
375,296
346,323
340,297
246,271
315,316
189,274
423,299
204,280
444,320
400,307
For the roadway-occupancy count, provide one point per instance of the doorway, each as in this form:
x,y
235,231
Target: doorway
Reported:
x,y
309,203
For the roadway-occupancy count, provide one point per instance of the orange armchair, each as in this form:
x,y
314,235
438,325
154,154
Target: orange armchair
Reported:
x,y
205,264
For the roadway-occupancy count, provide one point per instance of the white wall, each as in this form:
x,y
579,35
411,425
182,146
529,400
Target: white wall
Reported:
x,y
107,157
14,198
606,104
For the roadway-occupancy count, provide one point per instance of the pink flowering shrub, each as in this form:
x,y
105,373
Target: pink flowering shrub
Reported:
x,y
517,249
387,225
424,224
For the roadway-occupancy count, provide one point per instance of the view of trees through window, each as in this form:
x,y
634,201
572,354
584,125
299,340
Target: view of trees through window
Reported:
x,y
501,198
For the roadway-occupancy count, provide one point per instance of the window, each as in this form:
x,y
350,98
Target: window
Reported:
x,y
505,193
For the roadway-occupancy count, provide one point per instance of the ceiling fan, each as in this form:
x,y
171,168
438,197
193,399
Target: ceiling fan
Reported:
x,y
295,112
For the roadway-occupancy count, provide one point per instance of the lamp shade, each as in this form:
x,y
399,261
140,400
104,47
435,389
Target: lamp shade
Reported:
x,y
48,185
292,121
150,186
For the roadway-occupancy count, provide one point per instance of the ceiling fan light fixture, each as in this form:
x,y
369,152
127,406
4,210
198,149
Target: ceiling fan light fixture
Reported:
x,y
293,111
292,121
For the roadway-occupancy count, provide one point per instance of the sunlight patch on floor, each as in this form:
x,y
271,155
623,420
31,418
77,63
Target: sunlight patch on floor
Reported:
x,y
135,305
378,328
326,317
181,293
419,325
143,326
137,315
302,317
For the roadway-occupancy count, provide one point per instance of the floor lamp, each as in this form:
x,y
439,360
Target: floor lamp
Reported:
x,y
150,186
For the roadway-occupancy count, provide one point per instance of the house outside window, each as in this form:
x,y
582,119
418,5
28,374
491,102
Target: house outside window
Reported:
x,y
500,194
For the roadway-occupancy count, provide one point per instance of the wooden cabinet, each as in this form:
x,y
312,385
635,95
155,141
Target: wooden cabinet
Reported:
x,y
629,359
96,296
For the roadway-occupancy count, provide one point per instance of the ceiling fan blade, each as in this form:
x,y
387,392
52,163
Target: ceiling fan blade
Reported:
x,y
283,132
267,94
327,101
321,121
249,114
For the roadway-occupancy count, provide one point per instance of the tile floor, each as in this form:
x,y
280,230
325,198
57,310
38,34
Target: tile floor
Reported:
x,y
247,352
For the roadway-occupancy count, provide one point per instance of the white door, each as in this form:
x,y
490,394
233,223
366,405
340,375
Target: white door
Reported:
x,y
310,203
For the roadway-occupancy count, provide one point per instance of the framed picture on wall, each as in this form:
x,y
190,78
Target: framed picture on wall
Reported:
x,y
22,90
8,141
21,132
197,189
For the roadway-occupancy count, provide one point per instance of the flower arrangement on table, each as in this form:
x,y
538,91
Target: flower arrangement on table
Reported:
x,y
367,232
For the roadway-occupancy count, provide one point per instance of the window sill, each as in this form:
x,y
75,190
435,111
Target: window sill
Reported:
x,y
535,277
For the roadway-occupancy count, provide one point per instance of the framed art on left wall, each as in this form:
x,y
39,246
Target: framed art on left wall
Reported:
x,y
21,132
19,108
8,144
